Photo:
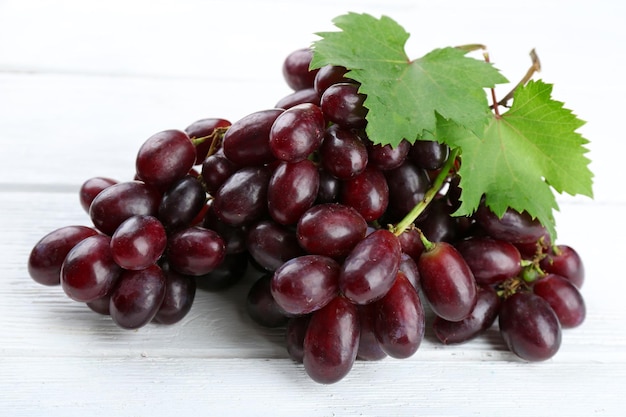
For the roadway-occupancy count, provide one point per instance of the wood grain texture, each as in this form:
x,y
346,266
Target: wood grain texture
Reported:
x,y
84,83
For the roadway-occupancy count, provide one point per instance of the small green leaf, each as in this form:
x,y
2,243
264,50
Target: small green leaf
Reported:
x,y
405,96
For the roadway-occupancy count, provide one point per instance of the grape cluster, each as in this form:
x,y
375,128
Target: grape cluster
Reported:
x,y
301,195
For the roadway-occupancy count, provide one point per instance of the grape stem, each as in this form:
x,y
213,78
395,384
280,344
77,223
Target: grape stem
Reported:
x,y
430,194
535,67
215,137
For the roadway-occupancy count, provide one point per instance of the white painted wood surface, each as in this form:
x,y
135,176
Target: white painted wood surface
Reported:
x,y
84,83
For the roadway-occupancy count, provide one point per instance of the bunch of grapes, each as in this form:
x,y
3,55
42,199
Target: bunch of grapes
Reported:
x,y
350,239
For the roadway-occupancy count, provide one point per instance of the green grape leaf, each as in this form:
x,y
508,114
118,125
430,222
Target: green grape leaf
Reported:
x,y
522,156
405,96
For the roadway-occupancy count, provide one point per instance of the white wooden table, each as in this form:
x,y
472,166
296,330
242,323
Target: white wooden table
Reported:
x,y
84,83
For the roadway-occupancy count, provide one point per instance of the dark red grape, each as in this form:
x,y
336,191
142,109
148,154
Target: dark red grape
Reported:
x,y
181,203
247,141
368,193
369,348
121,201
330,229
491,261
307,95
343,154
408,267
297,132
429,155
271,244
164,158
565,261
137,297
331,341
447,282
329,75
400,322
407,187
529,326
89,271
195,251
91,188
261,305
242,199
296,69
294,336
328,191
480,319
386,157
292,190
101,305
371,267
305,284
564,298
225,275
138,242
202,128
215,170
180,292
513,226
411,243
48,254
343,104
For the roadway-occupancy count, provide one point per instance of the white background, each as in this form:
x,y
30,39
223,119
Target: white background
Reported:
x,y
84,83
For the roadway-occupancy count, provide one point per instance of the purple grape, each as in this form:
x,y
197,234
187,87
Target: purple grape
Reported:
x,y
91,188
330,229
181,203
513,226
202,128
329,75
180,291
491,261
271,244
137,297
296,69
216,169
447,282
400,322
307,95
121,201
409,268
247,141
343,154
564,298
261,305
386,157
165,157
368,193
328,190
429,154
225,275
331,341
529,327
480,319
294,336
89,271
48,254
407,187
370,269
242,199
369,348
297,132
195,251
138,242
292,190
563,260
343,104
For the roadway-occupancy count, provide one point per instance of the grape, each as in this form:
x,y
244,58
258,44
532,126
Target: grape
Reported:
x,y
371,267
101,305
331,341
271,244
411,243
294,336
215,170
297,132
329,75
305,284
261,305
343,153
385,157
195,251
409,268
91,188
400,322
242,199
164,158
48,254
121,201
306,95
529,326
369,348
564,298
297,180
225,275
565,261
437,223
491,261
247,141
429,155
343,104
480,319
181,203
234,236
330,229
180,291
202,128
138,296
407,187
513,226
328,190
89,271
368,193
138,242
296,69
447,282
